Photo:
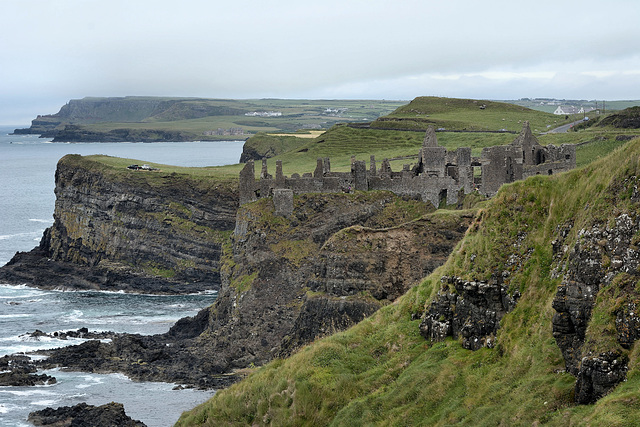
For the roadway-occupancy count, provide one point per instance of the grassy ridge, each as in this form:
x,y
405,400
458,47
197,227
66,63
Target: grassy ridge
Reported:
x,y
383,372
466,114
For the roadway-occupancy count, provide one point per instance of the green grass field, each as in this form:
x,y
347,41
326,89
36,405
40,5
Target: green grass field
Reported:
x,y
467,114
341,142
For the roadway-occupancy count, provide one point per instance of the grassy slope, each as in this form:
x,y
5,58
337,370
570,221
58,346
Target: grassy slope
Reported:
x,y
382,371
466,114
341,142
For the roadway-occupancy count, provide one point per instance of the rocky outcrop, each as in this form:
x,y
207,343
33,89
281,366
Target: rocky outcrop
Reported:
x,y
144,358
285,282
598,375
470,310
625,119
293,279
144,231
601,266
19,371
76,133
264,146
83,415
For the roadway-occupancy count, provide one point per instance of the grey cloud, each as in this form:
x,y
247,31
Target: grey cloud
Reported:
x,y
338,48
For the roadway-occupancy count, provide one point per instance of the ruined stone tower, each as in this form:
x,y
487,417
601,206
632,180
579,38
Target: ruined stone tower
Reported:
x,y
439,176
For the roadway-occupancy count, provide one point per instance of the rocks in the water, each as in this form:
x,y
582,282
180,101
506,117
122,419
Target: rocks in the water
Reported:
x,y
143,358
82,333
83,415
19,370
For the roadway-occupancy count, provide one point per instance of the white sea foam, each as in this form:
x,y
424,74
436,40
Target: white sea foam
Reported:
x,y
44,221
17,235
74,316
19,296
26,393
14,316
46,402
90,381
26,343
177,305
5,408
21,291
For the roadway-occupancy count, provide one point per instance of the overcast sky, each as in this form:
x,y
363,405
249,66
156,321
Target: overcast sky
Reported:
x,y
55,50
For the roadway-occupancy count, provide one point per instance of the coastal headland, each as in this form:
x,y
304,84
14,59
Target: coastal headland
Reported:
x,y
537,283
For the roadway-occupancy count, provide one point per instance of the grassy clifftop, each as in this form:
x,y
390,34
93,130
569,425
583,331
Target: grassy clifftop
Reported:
x,y
466,114
382,371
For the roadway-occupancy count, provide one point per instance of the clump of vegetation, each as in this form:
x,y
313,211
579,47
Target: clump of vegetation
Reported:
x,y
625,119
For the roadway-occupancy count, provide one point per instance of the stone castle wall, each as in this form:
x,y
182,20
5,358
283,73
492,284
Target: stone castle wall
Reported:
x,y
439,176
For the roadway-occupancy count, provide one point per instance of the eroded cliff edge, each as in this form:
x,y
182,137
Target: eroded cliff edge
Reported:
x,y
336,260
120,229
285,281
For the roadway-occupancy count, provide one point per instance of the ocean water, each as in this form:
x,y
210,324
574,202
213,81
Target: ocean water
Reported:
x,y
27,167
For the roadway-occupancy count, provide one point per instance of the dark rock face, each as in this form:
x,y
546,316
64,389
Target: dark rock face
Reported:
x,y
20,371
604,257
343,270
280,288
83,415
385,262
598,375
75,133
472,310
573,303
323,315
124,233
250,153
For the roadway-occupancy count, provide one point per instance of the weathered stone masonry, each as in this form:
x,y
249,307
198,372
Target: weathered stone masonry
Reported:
x,y
438,176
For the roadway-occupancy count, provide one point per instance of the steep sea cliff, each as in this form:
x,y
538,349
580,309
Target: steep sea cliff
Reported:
x,y
118,229
283,281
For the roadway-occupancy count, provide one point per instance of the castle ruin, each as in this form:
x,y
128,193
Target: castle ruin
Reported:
x,y
439,176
